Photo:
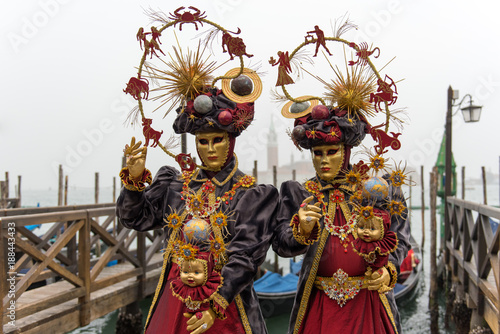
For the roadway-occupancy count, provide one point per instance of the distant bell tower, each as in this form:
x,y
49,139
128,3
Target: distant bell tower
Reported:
x,y
272,147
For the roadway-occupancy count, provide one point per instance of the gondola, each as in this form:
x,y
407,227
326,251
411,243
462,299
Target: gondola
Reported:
x,y
276,293
408,279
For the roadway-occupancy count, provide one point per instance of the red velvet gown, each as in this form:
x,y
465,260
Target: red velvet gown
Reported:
x,y
247,240
365,313
314,311
166,320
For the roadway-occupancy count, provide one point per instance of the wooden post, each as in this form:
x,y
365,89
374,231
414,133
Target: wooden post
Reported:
x,y
114,189
7,186
294,175
423,205
19,191
433,302
463,182
484,186
410,200
141,257
66,190
96,188
255,170
84,270
114,201
60,187
96,198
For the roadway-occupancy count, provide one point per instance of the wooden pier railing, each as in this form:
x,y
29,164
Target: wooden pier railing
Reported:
x,y
82,267
472,256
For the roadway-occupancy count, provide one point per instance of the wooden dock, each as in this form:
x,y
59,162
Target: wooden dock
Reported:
x,y
471,256
89,266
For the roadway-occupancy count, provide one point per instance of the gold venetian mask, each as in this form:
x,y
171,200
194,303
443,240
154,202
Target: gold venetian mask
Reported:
x,y
327,160
213,148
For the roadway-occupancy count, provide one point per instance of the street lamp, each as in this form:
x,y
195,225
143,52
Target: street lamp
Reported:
x,y
470,113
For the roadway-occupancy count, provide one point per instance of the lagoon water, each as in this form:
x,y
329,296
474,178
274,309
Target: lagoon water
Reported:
x,y
415,317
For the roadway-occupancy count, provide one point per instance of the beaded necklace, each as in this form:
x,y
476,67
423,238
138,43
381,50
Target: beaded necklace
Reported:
x,y
335,198
199,204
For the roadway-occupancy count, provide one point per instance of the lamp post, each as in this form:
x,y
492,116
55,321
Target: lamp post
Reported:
x,y
471,113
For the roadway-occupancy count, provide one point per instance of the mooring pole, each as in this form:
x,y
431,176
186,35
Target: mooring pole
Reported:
x,y
433,304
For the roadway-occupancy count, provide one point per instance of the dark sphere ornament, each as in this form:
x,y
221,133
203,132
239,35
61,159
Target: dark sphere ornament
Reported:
x,y
225,117
320,112
299,132
202,104
242,85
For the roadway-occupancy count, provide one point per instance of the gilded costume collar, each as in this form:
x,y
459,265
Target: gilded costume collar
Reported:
x,y
221,177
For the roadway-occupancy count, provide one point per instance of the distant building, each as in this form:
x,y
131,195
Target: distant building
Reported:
x,y
303,169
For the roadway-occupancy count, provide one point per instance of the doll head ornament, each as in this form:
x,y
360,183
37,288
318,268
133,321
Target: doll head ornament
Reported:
x,y
331,125
186,81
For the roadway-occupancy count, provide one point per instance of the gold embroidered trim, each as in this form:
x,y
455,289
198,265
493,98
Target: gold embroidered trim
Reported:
x,y
387,307
310,281
243,315
158,288
220,300
374,253
166,257
188,299
214,180
394,274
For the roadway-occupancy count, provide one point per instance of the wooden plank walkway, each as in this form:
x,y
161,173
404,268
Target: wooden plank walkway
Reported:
x,y
471,256
73,255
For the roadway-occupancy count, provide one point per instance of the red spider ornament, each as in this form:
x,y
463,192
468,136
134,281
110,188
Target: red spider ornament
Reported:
x,y
362,53
384,93
187,17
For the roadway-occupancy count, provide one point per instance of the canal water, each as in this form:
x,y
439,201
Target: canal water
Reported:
x,y
415,317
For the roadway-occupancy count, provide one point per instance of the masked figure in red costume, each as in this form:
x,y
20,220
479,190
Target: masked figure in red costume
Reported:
x,y
218,205
318,218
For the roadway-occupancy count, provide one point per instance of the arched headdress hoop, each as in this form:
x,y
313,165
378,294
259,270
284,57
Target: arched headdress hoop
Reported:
x,y
138,86
353,98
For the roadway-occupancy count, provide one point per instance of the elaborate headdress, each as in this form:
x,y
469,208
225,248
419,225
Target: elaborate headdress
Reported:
x,y
342,114
186,82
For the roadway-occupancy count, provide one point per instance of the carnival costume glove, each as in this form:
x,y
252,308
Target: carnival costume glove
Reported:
x,y
136,159
202,324
309,215
378,279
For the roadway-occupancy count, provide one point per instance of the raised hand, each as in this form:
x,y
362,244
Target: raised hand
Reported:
x,y
136,158
309,215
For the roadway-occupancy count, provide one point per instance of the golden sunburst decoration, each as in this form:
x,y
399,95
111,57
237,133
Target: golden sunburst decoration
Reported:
x,y
377,163
353,177
351,92
185,76
396,208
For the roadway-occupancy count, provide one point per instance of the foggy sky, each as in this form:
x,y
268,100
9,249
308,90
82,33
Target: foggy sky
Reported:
x,y
65,65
